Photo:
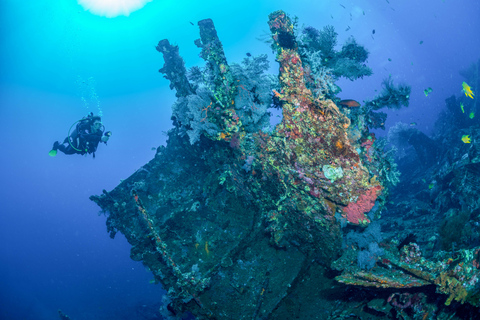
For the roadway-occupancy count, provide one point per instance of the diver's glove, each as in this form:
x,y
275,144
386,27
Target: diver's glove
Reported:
x,y
106,136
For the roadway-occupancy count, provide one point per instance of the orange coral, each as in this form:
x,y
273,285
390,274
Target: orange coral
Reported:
x,y
339,144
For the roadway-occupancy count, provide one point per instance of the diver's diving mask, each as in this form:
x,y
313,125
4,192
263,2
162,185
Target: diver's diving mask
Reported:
x,y
97,125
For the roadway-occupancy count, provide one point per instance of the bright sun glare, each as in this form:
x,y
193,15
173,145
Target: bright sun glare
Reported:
x,y
112,8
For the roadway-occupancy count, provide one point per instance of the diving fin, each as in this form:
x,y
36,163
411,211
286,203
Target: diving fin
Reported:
x,y
53,152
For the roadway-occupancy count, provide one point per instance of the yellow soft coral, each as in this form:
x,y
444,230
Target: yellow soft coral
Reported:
x,y
452,287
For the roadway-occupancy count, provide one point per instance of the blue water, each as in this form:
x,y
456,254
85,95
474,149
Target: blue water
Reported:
x,y
60,62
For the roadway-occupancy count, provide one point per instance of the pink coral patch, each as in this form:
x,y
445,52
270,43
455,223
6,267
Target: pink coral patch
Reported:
x,y
355,212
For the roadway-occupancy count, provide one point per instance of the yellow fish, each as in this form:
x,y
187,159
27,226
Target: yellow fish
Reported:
x,y
461,107
471,115
468,91
466,138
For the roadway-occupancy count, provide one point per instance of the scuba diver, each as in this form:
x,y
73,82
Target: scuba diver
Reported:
x,y
86,136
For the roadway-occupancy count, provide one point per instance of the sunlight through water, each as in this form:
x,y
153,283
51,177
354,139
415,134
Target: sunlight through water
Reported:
x,y
112,8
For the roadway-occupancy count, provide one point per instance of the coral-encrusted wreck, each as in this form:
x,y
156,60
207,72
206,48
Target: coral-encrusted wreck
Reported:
x,y
237,222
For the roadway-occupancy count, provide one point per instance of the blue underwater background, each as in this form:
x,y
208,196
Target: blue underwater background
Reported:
x,y
60,62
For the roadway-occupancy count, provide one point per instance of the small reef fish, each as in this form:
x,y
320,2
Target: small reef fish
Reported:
x,y
461,107
373,31
471,115
466,138
468,91
427,91
421,42
349,103
412,124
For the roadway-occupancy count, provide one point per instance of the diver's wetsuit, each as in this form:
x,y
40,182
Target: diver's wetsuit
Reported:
x,y
82,140
81,143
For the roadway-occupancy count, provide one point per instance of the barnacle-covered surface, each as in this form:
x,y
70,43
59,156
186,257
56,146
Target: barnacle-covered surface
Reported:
x,y
456,277
194,224
237,222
